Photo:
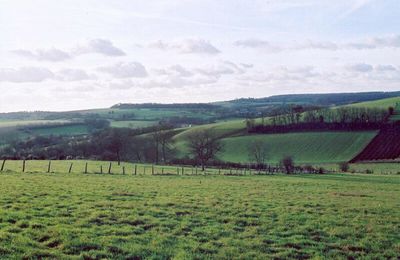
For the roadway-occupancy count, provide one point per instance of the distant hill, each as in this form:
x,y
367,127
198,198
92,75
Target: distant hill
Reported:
x,y
329,99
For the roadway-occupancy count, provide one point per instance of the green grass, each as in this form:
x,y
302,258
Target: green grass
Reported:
x,y
376,167
60,130
381,103
151,114
96,216
78,166
221,129
133,124
311,148
21,123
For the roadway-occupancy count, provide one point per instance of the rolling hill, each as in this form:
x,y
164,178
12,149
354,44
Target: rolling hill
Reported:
x,y
312,147
305,148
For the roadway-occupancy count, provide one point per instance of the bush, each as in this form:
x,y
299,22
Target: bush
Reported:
x,y
344,166
288,163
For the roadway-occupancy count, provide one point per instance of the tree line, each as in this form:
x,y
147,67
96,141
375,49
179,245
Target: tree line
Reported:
x,y
151,144
295,118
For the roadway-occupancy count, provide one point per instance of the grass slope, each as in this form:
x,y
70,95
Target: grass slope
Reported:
x,y
381,103
60,130
64,216
21,123
318,147
132,124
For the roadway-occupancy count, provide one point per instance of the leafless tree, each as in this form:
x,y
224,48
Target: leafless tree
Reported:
x,y
288,163
257,152
204,146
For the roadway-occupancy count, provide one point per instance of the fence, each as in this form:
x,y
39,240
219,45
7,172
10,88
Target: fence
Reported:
x,y
124,168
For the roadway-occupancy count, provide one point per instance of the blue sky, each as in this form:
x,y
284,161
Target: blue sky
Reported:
x,y
64,55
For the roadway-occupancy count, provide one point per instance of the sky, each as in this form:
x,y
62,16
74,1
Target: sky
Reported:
x,y
80,54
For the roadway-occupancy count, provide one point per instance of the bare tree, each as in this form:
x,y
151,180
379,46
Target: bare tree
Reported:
x,y
166,147
257,152
204,146
162,143
156,136
288,163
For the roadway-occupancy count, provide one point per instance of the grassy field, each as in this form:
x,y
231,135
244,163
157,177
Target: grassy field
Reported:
x,y
151,114
92,216
133,123
383,168
79,166
305,148
20,123
60,130
381,103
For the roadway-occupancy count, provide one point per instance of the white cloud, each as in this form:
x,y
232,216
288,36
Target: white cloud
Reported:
x,y
25,74
73,75
385,68
187,46
317,45
176,70
391,41
223,68
101,46
125,70
257,44
52,54
246,66
361,67
165,82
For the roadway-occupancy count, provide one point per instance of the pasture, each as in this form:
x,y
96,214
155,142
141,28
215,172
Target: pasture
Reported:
x,y
25,123
133,123
305,148
380,103
93,216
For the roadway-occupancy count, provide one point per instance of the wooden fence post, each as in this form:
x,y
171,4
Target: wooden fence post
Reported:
x,y
2,165
177,170
86,167
135,169
49,167
162,171
196,170
70,168
109,169
101,169
219,171
23,166
152,169
183,170
123,170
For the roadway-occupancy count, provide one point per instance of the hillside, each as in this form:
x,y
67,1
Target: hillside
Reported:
x,y
312,148
385,146
380,103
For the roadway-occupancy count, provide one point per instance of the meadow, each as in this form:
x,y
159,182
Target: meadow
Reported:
x,y
93,216
24,123
305,148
